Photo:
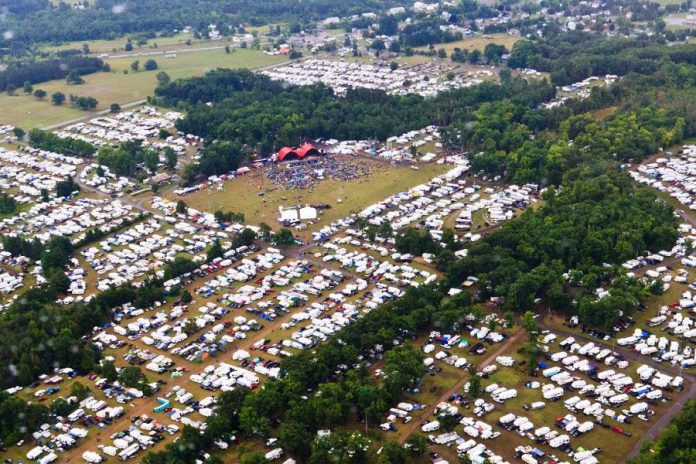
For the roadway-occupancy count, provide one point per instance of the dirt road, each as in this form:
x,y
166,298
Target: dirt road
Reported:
x,y
413,426
677,405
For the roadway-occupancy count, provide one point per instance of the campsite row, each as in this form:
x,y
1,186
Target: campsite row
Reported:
x,y
673,174
584,389
343,75
25,173
142,125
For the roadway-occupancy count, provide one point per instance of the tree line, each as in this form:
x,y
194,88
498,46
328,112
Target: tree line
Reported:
x,y
66,146
35,72
577,55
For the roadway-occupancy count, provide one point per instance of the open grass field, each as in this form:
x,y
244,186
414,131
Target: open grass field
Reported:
x,y
116,87
97,47
241,194
479,43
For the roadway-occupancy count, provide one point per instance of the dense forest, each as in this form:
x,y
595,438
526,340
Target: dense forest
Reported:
x,y
246,112
591,222
574,56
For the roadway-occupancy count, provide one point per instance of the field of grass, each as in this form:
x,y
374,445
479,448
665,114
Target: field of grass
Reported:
x,y
97,47
116,87
479,43
241,194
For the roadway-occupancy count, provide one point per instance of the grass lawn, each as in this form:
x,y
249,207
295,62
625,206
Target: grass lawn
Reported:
x,y
478,42
116,87
604,112
667,2
99,46
241,194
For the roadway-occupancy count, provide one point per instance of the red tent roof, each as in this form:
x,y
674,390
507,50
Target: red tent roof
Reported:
x,y
304,150
285,151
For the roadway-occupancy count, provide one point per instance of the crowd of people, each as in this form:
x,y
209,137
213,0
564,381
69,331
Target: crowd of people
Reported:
x,y
305,174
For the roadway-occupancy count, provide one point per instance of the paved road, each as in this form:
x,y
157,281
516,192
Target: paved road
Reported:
x,y
413,426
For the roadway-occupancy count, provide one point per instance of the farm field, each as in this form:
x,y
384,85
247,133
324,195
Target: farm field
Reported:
x,y
479,43
241,194
116,87
97,47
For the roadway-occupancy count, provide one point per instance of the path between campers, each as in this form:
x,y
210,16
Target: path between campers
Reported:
x,y
675,407
413,426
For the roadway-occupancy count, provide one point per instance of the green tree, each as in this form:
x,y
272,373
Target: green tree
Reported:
x,y
283,237
40,94
115,108
214,251
265,231
108,371
475,56
509,319
66,187
181,207
27,87
151,161
475,385
403,369
254,424
676,442
392,453
378,45
150,65
296,439
19,132
80,391
163,78
74,78
253,457
135,65
170,158
58,98
416,445
530,325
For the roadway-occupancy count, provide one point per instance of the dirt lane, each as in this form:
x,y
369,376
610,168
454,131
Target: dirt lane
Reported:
x,y
415,425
